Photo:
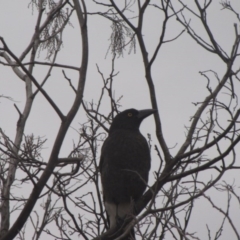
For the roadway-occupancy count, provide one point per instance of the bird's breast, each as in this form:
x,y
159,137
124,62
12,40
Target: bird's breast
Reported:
x,y
127,150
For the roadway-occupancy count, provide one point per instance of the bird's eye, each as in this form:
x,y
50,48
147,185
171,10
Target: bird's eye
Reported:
x,y
130,114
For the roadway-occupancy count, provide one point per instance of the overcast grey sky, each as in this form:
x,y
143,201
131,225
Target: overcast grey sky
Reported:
x,y
176,73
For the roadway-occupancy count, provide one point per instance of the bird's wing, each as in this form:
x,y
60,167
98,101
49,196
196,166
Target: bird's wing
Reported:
x,y
101,163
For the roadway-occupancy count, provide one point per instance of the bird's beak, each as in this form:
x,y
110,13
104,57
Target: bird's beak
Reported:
x,y
145,113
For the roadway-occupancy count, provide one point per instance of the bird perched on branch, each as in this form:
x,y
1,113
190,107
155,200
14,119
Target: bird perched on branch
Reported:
x,y
124,165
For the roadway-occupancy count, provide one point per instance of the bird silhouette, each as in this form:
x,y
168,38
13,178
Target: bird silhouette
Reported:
x,y
124,166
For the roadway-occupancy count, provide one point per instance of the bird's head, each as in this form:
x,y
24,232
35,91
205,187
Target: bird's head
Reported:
x,y
130,119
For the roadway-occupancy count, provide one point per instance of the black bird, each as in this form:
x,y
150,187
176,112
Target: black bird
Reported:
x,y
124,165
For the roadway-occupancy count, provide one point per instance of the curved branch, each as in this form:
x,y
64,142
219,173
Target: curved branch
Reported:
x,y
53,160
217,139
42,63
199,112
